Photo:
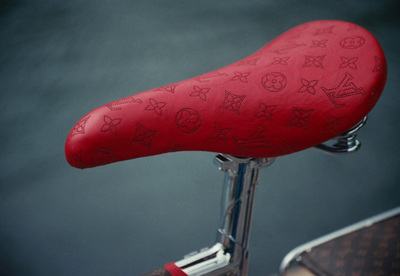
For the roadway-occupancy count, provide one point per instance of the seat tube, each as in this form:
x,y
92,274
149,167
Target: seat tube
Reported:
x,y
241,178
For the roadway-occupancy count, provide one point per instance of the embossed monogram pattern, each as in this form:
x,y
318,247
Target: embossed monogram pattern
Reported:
x,y
220,133
346,88
174,147
274,81
300,118
280,61
79,128
117,105
241,76
315,80
319,43
103,156
349,63
266,111
352,42
200,92
379,65
308,86
256,141
77,160
110,125
233,102
334,125
155,106
144,136
314,61
188,120
287,148
373,250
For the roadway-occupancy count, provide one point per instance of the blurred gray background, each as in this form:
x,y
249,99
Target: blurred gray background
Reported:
x,y
61,59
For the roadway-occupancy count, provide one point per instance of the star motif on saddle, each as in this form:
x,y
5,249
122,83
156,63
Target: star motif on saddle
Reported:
x,y
144,136
314,61
156,106
300,118
79,128
280,61
266,111
110,125
77,160
287,148
103,156
233,102
349,62
308,86
241,76
200,92
379,65
174,147
319,43
220,133
334,125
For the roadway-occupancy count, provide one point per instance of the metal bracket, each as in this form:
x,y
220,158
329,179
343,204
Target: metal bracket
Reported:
x,y
345,143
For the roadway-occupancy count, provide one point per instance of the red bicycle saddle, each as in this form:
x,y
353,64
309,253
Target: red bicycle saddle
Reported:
x,y
305,87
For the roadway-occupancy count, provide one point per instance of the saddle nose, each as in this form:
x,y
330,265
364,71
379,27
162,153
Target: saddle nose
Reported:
x,y
305,87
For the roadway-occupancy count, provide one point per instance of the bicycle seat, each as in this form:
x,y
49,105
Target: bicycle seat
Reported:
x,y
305,87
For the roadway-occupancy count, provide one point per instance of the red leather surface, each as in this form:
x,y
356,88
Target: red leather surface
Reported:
x,y
305,87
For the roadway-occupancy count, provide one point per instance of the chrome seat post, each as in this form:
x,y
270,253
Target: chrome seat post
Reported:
x,y
229,256
241,178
